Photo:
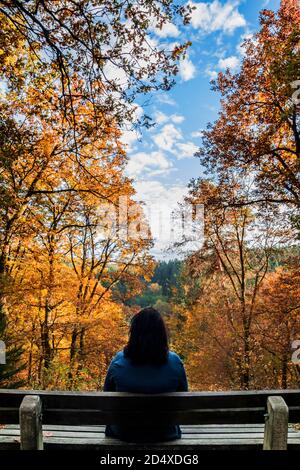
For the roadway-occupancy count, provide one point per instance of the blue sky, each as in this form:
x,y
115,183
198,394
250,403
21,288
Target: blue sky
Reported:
x,y
161,160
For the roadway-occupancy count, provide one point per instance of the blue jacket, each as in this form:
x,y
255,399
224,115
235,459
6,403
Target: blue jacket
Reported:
x,y
122,376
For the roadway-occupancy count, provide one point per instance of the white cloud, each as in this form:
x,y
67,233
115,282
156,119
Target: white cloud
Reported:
x,y
150,163
186,150
213,74
167,137
154,192
215,16
165,220
197,134
170,138
160,200
129,138
129,134
117,75
138,111
168,30
161,118
187,70
177,118
232,63
166,99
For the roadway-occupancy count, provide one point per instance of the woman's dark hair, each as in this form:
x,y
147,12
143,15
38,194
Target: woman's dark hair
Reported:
x,y
148,340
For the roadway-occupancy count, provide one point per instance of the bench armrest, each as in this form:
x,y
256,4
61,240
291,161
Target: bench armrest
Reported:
x,y
30,415
276,425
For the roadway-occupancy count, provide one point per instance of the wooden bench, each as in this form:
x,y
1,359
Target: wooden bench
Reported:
x,y
209,420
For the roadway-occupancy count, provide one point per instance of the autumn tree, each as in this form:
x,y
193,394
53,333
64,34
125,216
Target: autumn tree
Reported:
x,y
37,149
279,327
252,152
49,181
230,270
101,257
72,259
60,65
257,132
108,45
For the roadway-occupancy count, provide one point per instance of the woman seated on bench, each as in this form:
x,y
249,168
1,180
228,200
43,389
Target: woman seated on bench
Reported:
x,y
146,366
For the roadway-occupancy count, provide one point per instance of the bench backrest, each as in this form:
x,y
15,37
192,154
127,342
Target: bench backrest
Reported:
x,y
91,408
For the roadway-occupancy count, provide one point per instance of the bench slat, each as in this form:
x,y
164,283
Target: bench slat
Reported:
x,y
239,438
101,435
191,444
190,428
207,416
94,417
179,401
185,435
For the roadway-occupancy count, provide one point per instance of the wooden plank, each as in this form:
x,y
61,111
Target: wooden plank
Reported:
x,y
221,431
130,401
190,428
115,443
185,428
233,425
101,435
82,432
170,444
106,445
197,430
52,443
9,439
72,433
51,427
70,437
96,417
207,416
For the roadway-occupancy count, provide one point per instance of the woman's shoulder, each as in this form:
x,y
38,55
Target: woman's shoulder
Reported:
x,y
116,358
120,359
173,357
118,355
